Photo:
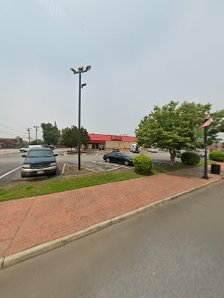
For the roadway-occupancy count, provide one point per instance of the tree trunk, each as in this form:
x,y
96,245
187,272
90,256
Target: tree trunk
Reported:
x,y
172,157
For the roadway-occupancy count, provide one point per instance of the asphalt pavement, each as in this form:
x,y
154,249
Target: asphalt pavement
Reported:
x,y
11,161
173,250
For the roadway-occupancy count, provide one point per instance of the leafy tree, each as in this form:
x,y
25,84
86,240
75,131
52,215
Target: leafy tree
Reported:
x,y
69,136
51,133
37,142
84,136
173,127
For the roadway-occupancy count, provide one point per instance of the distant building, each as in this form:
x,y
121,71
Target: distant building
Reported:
x,y
107,142
7,143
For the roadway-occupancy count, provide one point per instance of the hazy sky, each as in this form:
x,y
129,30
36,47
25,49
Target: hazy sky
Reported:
x,y
142,53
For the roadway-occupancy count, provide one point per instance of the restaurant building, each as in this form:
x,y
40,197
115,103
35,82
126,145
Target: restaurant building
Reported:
x,y
107,142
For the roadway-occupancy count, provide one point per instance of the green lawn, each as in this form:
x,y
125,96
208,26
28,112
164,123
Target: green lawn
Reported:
x,y
35,188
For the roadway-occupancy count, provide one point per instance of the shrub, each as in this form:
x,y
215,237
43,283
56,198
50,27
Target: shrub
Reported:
x,y
143,164
190,158
217,155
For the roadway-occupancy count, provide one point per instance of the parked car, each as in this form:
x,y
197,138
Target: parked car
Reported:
x,y
38,162
27,148
101,147
135,148
200,152
52,147
119,157
152,150
24,149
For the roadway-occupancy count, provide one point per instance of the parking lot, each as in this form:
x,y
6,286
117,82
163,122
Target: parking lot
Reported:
x,y
11,161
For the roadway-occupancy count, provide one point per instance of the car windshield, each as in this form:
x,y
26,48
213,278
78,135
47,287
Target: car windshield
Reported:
x,y
40,153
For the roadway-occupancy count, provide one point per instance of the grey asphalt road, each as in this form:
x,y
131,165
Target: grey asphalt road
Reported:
x,y
12,160
172,251
10,164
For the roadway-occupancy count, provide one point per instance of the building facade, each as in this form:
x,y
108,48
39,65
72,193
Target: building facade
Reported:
x,y
7,143
107,142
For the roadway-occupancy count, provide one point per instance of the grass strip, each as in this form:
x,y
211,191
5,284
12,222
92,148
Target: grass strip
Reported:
x,y
36,188
60,184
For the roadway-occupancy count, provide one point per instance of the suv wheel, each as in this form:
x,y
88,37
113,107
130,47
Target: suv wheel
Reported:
x,y
107,160
126,162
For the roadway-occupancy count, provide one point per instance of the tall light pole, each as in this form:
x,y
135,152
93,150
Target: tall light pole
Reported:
x,y
205,125
205,175
28,130
80,70
36,127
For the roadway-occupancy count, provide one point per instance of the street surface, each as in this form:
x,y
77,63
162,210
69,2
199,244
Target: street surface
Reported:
x,y
11,161
172,251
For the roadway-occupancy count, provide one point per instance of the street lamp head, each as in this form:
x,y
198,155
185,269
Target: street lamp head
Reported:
x,y
88,67
81,68
83,85
73,70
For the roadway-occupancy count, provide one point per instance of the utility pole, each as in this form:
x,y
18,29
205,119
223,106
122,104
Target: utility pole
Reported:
x,y
36,128
28,130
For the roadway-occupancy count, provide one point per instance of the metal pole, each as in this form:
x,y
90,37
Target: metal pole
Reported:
x,y
28,129
205,176
36,134
79,121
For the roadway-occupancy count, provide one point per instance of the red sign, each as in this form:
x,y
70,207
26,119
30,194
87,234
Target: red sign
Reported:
x,y
116,138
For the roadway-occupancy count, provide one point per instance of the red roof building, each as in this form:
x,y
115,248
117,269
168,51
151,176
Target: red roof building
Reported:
x,y
98,141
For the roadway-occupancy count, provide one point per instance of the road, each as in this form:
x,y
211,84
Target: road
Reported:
x,y
172,251
11,161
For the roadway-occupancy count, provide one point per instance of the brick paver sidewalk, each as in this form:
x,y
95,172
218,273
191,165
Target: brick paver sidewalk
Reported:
x,y
29,222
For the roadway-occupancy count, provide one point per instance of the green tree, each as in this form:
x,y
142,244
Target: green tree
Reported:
x,y
84,136
173,127
69,137
37,142
51,133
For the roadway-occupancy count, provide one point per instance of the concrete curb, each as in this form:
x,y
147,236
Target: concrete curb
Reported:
x,y
50,245
64,168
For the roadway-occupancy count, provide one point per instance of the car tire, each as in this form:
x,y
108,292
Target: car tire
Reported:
x,y
23,176
126,163
52,174
108,160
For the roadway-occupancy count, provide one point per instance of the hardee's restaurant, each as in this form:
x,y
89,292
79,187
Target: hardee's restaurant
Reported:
x,y
107,142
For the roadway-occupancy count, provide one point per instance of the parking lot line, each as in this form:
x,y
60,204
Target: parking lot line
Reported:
x,y
10,172
113,165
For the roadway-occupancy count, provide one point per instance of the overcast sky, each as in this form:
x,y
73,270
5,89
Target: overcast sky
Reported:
x,y
142,53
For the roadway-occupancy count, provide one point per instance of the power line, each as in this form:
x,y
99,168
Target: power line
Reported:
x,y
11,133
11,128
6,133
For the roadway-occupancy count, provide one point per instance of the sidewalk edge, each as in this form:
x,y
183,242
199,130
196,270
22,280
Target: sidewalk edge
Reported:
x,y
53,244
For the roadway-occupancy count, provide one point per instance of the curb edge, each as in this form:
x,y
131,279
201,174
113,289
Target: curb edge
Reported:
x,y
63,168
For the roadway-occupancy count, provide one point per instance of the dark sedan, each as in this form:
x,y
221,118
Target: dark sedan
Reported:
x,y
39,161
119,157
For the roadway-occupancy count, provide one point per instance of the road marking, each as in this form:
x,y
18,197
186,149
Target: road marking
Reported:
x,y
10,172
112,166
92,170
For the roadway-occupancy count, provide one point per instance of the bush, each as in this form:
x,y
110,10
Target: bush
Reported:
x,y
190,158
143,164
217,155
